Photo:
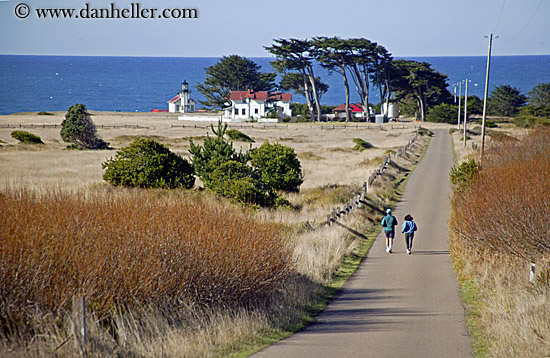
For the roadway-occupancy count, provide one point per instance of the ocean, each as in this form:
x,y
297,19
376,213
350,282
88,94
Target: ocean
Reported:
x,y
54,83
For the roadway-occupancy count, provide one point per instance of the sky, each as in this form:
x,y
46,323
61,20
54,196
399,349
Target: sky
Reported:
x,y
224,27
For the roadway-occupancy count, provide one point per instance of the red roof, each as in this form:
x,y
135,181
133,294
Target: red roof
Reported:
x,y
260,95
175,99
355,107
277,96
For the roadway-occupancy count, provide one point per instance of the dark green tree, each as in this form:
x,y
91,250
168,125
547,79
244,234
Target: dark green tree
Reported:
x,y
419,81
240,183
299,56
506,101
79,129
232,73
475,105
279,166
146,163
335,54
293,81
370,62
540,96
212,153
26,137
443,113
381,74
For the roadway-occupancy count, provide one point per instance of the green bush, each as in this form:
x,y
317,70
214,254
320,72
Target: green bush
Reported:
x,y
528,121
148,164
443,113
240,183
212,153
44,113
238,136
464,174
26,137
279,166
361,145
79,129
537,111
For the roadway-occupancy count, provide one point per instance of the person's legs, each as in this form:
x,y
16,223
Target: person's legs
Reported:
x,y
409,239
391,235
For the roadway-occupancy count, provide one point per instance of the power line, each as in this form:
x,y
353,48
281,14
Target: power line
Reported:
x,y
499,16
528,22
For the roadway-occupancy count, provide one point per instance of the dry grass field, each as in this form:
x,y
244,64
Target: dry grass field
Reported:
x,y
325,153
43,179
64,192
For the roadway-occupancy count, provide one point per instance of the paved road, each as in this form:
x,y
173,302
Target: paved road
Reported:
x,y
398,305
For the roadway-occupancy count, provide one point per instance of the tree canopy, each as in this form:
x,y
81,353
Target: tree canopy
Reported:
x,y
298,56
293,81
232,73
506,101
540,95
419,81
335,55
79,129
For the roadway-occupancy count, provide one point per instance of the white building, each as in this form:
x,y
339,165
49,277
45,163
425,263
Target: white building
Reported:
x,y
182,102
246,105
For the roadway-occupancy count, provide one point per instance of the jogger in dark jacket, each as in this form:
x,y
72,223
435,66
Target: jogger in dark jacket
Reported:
x,y
409,227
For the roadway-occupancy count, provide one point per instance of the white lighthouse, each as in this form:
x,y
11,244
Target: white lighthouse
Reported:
x,y
182,102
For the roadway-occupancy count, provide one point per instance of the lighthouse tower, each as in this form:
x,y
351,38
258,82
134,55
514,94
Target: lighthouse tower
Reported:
x,y
187,104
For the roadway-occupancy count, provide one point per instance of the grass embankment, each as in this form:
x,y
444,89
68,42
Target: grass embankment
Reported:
x,y
174,273
130,251
499,225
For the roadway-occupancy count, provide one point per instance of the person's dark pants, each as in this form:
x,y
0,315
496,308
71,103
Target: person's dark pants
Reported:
x,y
409,241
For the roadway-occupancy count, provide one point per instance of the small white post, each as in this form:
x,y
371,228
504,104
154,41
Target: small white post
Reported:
x,y
532,272
84,333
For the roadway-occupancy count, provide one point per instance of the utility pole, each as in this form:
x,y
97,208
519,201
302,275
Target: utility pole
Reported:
x,y
459,103
485,98
465,110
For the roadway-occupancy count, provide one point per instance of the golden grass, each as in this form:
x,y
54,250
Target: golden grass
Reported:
x,y
209,294
499,225
132,248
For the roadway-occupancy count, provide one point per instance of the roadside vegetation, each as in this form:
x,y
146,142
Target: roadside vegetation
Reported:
x,y
499,227
26,137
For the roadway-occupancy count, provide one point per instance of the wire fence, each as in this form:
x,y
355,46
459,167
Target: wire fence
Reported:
x,y
286,126
359,199
100,126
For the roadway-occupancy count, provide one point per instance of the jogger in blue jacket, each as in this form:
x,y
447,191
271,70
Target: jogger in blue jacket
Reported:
x,y
409,227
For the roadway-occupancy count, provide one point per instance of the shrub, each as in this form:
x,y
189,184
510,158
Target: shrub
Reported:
x,y
240,183
361,145
214,152
464,174
507,208
537,111
44,113
529,121
79,129
239,136
279,166
443,113
148,164
26,137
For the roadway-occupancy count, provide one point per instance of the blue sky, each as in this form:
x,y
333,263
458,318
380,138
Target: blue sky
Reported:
x,y
223,27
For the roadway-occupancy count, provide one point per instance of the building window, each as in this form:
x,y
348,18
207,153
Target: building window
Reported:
x,y
256,110
243,111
